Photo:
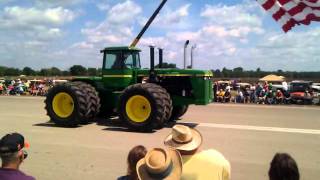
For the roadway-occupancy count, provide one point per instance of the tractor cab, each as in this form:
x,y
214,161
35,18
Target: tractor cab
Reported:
x,y
121,58
119,66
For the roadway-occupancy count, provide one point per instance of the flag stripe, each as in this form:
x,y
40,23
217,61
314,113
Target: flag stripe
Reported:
x,y
289,13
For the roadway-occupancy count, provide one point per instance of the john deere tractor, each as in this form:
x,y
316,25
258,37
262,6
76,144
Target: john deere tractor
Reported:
x,y
144,99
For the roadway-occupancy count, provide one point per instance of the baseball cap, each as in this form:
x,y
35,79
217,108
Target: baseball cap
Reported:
x,y
12,143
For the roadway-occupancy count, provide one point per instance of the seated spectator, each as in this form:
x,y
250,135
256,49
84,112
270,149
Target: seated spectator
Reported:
x,y
269,97
135,154
220,95
160,164
239,97
1,88
253,94
283,167
10,90
197,165
286,97
12,155
215,88
247,95
270,86
279,97
266,86
227,96
262,97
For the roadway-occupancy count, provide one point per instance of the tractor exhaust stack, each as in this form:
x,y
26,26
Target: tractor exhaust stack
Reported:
x,y
160,57
152,74
192,55
185,54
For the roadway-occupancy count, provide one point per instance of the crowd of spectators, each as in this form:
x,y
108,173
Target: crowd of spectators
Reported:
x,y
25,87
259,93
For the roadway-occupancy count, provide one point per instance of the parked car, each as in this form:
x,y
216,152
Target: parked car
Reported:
x,y
316,87
301,92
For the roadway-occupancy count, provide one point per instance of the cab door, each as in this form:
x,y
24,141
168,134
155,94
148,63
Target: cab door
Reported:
x,y
118,70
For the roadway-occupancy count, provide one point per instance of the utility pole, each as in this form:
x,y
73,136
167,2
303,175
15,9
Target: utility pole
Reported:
x,y
192,49
185,54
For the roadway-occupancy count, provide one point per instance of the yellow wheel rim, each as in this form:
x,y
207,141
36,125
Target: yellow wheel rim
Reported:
x,y
63,105
138,108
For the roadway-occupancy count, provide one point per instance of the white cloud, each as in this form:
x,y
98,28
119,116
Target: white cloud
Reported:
x,y
123,13
294,50
236,15
18,16
54,3
174,17
28,36
117,27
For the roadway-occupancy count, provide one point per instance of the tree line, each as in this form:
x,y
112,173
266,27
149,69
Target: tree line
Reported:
x,y
76,70
239,72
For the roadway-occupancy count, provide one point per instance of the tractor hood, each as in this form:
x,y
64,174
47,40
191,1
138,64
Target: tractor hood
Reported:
x,y
177,72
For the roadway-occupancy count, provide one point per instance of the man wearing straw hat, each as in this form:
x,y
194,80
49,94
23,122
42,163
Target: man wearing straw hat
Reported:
x,y
197,165
12,154
160,164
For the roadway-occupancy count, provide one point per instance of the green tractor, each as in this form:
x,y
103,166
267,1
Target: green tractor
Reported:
x,y
145,99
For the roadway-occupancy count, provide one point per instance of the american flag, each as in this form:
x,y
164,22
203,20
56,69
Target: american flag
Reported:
x,y
292,12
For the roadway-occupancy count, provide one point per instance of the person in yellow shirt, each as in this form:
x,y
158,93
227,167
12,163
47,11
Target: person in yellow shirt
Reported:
x,y
197,164
220,95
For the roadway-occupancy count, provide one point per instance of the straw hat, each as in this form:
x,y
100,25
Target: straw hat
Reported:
x,y
183,138
160,164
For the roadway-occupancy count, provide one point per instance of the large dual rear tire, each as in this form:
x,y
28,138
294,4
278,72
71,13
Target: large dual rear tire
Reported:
x,y
71,104
144,107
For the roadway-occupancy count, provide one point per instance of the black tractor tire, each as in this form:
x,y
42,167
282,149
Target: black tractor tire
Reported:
x,y
79,110
167,101
168,105
178,111
93,99
154,95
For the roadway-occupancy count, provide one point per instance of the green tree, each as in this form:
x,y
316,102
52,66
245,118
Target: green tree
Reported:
x,y
65,73
78,70
28,71
93,72
2,70
258,73
226,72
217,73
237,72
55,71
45,72
12,72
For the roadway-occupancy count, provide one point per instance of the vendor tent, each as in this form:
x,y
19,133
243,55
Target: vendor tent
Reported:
x,y
273,78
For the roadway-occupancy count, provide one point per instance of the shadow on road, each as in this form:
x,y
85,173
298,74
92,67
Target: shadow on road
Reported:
x,y
51,124
114,124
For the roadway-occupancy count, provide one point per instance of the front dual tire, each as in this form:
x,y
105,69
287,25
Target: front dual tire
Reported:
x,y
144,107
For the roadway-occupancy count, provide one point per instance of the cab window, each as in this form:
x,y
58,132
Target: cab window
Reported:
x,y
127,60
131,60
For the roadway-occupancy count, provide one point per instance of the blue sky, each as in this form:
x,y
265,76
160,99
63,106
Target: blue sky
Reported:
x,y
233,33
